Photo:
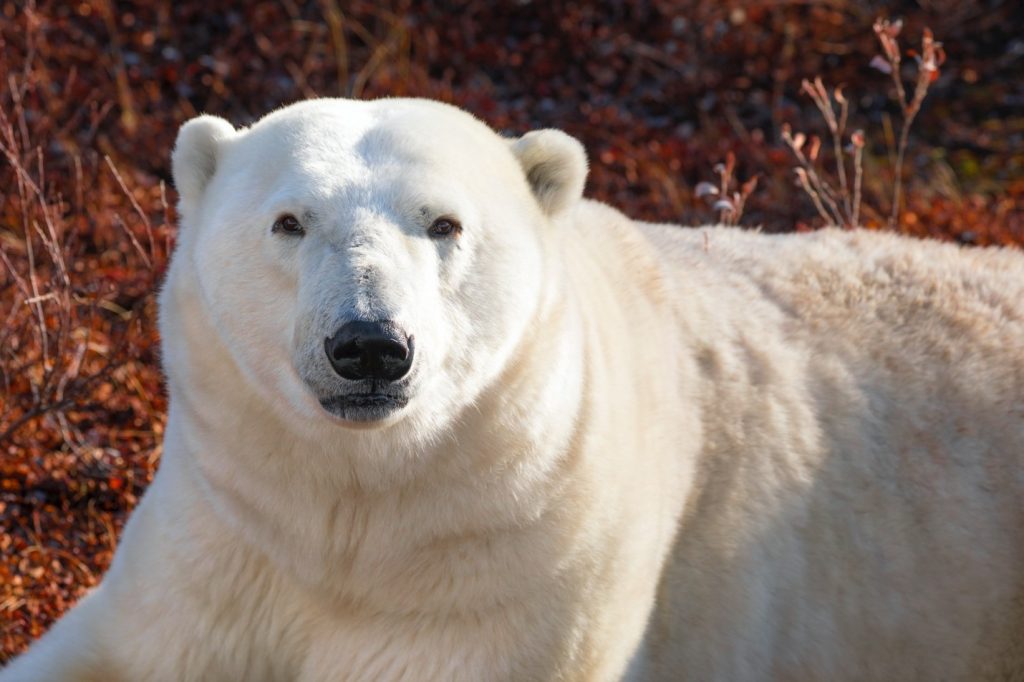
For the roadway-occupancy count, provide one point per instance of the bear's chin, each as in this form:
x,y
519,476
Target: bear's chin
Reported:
x,y
365,410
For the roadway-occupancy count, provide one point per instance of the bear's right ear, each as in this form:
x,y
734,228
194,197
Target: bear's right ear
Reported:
x,y
194,159
555,165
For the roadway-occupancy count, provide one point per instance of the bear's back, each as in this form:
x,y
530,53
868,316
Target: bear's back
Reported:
x,y
865,402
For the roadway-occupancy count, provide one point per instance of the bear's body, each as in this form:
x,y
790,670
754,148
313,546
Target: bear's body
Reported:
x,y
623,450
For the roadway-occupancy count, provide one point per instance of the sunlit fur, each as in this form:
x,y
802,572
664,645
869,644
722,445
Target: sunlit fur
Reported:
x,y
629,449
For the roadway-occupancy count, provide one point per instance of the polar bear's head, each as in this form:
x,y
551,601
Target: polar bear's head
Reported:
x,y
364,262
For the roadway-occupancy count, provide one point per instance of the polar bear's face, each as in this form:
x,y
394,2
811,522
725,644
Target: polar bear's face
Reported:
x,y
366,262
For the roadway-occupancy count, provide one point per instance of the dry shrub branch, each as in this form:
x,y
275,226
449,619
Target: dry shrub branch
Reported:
x,y
839,202
931,57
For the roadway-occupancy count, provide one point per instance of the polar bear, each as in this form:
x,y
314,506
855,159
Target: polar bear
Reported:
x,y
434,416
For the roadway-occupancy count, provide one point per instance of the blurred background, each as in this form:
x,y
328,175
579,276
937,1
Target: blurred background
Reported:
x,y
661,93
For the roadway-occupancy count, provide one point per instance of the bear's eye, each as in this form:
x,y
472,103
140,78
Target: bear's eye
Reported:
x,y
445,227
288,224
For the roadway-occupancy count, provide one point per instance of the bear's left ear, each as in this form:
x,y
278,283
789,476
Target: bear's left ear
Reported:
x,y
555,165
195,156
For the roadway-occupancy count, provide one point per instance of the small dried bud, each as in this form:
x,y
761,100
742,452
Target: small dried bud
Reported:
x,y
819,88
812,153
798,141
749,186
857,139
890,29
879,62
887,32
932,55
705,189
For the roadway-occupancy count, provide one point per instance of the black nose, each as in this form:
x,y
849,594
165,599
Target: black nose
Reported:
x,y
370,350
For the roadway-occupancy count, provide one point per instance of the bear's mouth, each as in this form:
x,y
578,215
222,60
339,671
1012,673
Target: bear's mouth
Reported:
x,y
364,407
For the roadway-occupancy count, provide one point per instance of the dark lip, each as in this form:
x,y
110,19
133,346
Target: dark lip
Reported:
x,y
364,407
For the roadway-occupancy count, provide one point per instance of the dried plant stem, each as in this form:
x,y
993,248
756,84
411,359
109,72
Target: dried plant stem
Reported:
x,y
730,202
37,410
827,194
843,206
897,81
837,149
814,195
928,62
909,114
858,178
43,284
836,206
821,192
138,210
897,190
836,127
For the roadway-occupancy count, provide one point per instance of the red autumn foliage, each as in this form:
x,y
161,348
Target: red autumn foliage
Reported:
x,y
660,92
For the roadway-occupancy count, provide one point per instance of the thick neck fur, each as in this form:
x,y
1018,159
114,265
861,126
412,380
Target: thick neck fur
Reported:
x,y
361,509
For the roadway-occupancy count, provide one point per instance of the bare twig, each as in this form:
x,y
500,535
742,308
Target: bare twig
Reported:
x,y
727,200
857,140
842,205
138,210
47,359
929,60
825,197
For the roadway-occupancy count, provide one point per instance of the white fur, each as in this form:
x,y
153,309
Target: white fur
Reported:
x,y
555,165
195,157
630,449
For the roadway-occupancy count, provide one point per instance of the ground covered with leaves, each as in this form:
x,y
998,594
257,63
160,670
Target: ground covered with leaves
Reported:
x,y
660,92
